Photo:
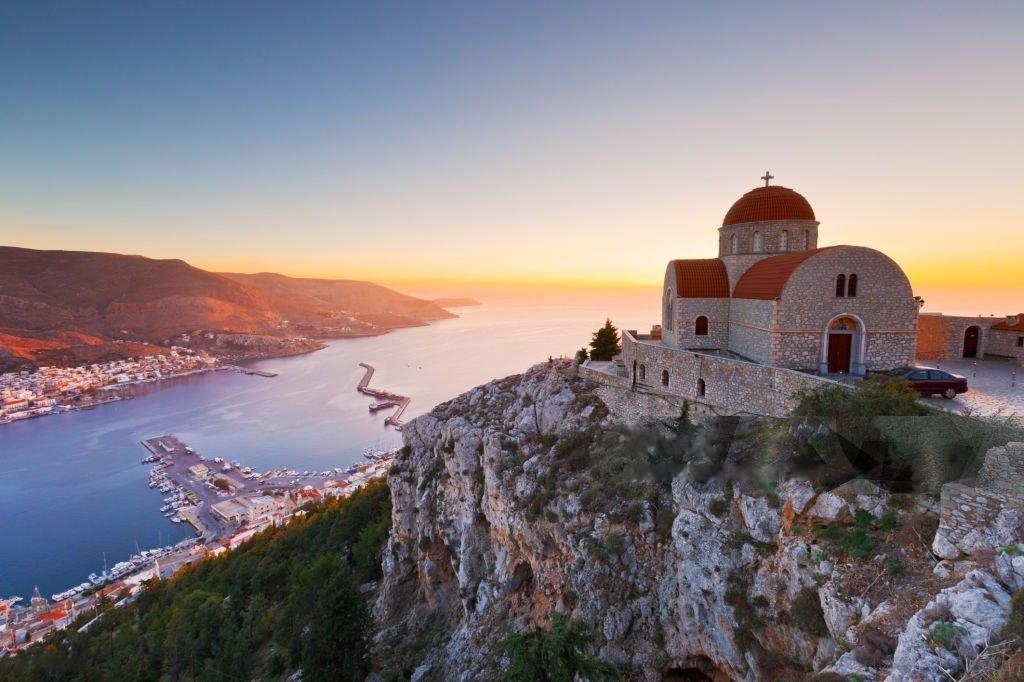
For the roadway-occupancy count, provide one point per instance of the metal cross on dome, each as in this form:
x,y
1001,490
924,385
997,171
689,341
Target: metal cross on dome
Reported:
x,y
767,177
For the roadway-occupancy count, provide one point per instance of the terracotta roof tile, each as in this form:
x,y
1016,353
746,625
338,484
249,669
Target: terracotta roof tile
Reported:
x,y
769,203
701,278
1017,326
766,278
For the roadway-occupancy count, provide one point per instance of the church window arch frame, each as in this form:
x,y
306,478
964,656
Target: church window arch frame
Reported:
x,y
758,240
670,312
858,346
643,372
851,285
734,244
701,325
784,241
807,240
840,286
664,377
702,388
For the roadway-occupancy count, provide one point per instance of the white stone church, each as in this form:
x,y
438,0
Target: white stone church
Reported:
x,y
772,313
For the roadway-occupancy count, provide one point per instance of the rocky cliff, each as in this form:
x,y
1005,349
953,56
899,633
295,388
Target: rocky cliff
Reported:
x,y
698,547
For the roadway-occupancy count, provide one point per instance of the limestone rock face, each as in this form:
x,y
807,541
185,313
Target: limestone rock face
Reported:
x,y
977,606
507,506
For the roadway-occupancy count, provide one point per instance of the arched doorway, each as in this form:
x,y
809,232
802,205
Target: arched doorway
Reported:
x,y
843,347
971,337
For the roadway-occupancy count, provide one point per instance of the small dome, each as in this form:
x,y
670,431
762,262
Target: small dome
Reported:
x,y
769,203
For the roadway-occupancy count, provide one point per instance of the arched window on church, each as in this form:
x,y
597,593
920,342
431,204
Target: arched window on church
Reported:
x,y
807,240
758,242
664,377
669,324
840,286
702,388
735,244
851,286
784,241
643,373
700,328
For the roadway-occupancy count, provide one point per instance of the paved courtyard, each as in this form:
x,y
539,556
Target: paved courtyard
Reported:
x,y
990,391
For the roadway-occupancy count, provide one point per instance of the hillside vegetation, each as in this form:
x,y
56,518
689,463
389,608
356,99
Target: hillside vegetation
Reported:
x,y
287,600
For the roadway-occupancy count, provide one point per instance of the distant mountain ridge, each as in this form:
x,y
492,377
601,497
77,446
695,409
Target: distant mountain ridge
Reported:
x,y
60,299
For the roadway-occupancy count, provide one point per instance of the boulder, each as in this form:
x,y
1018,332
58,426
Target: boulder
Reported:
x,y
829,507
761,520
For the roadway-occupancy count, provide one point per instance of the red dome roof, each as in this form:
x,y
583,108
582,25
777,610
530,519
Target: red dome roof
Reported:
x,y
769,203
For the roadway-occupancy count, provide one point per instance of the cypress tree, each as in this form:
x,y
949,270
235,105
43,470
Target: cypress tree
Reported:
x,y
605,343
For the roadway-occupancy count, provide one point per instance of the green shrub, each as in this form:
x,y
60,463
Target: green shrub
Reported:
x,y
946,635
558,654
863,518
888,523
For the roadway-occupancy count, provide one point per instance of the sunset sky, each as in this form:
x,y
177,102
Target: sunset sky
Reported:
x,y
466,146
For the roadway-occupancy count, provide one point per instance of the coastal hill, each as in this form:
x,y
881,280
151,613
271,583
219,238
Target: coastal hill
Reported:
x,y
68,306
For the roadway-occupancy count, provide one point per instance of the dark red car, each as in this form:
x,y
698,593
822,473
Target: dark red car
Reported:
x,y
930,381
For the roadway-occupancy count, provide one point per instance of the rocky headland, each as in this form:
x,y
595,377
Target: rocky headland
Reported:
x,y
697,546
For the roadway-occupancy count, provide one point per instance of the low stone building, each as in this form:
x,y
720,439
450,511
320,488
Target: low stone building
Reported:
x,y
950,336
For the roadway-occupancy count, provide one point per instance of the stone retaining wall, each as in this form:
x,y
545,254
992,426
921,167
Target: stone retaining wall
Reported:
x,y
730,386
986,512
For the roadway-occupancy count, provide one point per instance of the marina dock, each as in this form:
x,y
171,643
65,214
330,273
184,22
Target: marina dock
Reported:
x,y
385,399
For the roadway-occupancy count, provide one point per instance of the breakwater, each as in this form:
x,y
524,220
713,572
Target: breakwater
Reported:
x,y
385,399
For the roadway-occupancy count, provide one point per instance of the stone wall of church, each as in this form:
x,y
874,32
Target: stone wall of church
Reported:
x,y
800,235
686,314
884,303
731,386
750,324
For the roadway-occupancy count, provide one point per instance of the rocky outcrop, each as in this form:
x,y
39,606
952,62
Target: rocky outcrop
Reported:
x,y
543,492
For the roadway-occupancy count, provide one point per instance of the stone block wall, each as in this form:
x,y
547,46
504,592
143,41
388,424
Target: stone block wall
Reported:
x,y
1003,469
685,319
986,512
1005,344
932,337
802,236
731,386
750,323
942,336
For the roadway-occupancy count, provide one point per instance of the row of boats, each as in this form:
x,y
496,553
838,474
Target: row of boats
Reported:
x,y
177,497
123,568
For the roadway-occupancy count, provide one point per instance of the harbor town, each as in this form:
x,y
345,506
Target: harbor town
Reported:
x,y
50,390
226,502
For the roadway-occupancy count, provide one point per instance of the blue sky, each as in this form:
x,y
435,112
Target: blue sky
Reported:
x,y
503,141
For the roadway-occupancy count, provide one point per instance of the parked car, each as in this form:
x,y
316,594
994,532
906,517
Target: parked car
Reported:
x,y
930,381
